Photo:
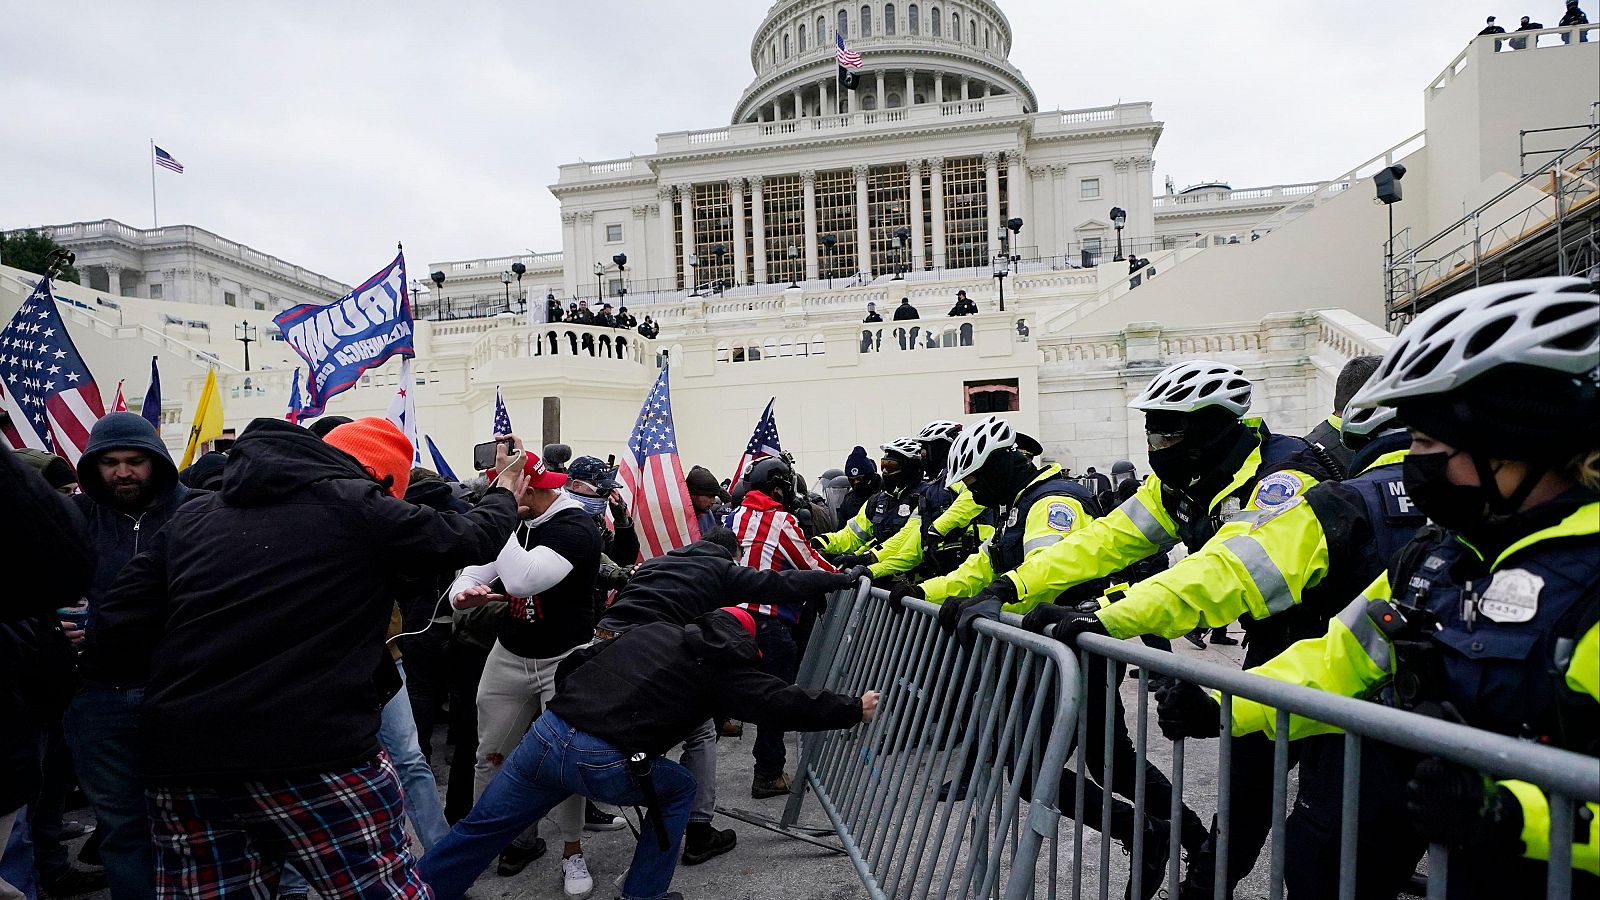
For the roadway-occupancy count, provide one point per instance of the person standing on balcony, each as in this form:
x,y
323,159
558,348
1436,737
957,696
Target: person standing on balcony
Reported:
x,y
906,312
648,328
1527,25
626,319
872,314
1489,27
964,306
606,318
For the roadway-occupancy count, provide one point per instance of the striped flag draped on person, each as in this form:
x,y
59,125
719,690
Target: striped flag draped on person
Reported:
x,y
663,515
763,443
45,386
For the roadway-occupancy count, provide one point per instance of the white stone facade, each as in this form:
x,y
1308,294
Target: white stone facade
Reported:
x,y
185,264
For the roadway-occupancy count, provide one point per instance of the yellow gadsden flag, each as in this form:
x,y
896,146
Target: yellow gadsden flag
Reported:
x,y
207,419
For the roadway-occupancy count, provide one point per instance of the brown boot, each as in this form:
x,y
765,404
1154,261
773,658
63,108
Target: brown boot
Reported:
x,y
762,787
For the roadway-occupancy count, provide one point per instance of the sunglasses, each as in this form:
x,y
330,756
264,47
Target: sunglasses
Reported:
x,y
1162,440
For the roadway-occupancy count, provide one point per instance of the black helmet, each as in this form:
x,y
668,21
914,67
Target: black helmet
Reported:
x,y
770,473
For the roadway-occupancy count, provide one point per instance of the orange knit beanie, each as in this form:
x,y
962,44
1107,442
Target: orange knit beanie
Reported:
x,y
380,446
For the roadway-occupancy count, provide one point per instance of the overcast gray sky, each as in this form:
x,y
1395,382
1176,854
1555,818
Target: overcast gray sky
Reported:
x,y
324,132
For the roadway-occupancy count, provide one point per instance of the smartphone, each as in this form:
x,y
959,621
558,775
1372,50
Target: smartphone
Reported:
x,y
483,454
611,460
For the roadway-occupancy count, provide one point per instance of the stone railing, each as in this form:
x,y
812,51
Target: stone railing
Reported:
x,y
493,266
1326,338
1285,193
586,344
1056,121
1483,46
792,129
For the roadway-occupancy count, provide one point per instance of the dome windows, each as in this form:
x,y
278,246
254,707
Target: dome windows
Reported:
x,y
801,38
933,21
844,22
911,13
888,19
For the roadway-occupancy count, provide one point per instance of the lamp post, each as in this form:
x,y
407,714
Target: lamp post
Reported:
x,y
694,270
518,269
828,241
902,243
1008,255
505,279
245,333
719,251
794,272
438,286
621,259
1119,218
416,288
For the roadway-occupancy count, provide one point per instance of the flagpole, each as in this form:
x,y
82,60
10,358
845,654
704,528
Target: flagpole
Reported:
x,y
155,219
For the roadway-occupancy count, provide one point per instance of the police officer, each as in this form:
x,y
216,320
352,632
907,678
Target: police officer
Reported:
x,y
948,524
1488,617
1210,464
1035,510
885,513
1302,563
1325,438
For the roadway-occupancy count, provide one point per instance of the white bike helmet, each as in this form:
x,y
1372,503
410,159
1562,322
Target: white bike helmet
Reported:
x,y
1188,387
1358,426
939,430
974,447
1540,323
904,446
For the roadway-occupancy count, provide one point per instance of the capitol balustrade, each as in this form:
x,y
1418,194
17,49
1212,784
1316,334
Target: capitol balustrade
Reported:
x,y
561,344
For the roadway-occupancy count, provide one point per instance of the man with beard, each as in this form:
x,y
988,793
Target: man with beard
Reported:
x,y
130,490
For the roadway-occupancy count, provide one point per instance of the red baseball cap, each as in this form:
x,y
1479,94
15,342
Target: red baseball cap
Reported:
x,y
538,475
743,616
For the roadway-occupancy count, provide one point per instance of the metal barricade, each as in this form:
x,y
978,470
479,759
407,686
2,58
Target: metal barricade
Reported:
x,y
1567,778
951,791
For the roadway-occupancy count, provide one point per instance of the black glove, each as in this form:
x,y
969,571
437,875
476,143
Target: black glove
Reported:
x,y
817,544
851,560
856,573
1069,622
613,577
1185,710
983,606
902,590
1452,804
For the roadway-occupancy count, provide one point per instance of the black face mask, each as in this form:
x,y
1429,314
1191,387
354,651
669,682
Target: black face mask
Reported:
x,y
907,475
1001,479
1181,466
1456,507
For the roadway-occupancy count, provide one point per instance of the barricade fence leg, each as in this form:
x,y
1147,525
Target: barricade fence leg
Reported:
x,y
1219,882
1350,824
1280,796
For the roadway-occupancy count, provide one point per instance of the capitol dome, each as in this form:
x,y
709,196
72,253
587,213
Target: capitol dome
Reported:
x,y
913,52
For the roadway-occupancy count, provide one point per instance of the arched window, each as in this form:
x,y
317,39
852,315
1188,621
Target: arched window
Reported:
x,y
894,101
866,21
822,31
933,21
869,102
986,37
786,46
972,31
888,18
844,22
955,26
802,39
911,13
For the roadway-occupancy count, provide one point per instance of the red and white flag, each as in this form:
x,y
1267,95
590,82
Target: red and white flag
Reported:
x,y
663,515
119,404
44,383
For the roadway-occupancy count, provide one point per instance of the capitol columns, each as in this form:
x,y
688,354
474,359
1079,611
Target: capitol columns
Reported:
x,y
686,210
911,88
736,195
569,259
758,229
883,102
808,183
1017,186
936,198
914,176
938,87
863,224
991,190
113,279
667,251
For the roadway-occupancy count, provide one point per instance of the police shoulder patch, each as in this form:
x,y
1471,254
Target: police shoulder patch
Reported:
x,y
1268,515
1277,489
1062,516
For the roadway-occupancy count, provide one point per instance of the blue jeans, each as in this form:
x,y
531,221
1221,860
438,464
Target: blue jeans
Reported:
x,y
553,762
102,728
397,731
16,858
779,658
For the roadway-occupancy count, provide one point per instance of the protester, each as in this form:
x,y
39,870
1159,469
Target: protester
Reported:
x,y
1489,27
553,313
205,473
130,493
63,479
256,618
864,482
679,587
545,572
903,313
625,319
638,694
606,318
1573,16
708,497
1526,25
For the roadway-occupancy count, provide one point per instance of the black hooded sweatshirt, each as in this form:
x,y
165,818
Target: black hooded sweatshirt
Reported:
x,y
648,689
684,584
259,611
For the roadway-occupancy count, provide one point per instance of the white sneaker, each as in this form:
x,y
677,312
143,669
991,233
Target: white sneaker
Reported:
x,y
575,876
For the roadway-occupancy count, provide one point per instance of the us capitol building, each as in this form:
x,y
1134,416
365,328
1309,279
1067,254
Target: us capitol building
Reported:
x,y
757,246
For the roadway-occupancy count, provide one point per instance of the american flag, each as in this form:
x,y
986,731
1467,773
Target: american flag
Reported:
x,y
167,161
295,403
846,57
662,512
763,443
502,419
44,383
